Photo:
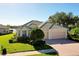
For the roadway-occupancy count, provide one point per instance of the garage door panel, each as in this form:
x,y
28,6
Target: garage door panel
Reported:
x,y
57,33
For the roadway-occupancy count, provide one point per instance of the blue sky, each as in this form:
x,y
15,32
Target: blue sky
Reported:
x,y
21,13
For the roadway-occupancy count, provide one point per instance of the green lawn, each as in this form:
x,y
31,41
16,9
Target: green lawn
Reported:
x,y
43,54
13,47
18,47
5,38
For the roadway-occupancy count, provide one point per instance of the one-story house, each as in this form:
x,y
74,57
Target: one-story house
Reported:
x,y
51,31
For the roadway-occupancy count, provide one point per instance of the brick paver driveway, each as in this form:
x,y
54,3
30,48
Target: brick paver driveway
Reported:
x,y
64,47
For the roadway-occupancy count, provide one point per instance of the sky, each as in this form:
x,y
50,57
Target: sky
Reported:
x,y
21,13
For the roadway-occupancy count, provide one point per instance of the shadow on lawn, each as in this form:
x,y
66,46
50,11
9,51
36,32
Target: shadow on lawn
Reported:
x,y
46,49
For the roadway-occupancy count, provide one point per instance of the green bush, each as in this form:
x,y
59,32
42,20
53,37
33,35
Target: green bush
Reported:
x,y
74,31
10,41
71,27
23,39
39,43
4,51
41,47
74,34
36,35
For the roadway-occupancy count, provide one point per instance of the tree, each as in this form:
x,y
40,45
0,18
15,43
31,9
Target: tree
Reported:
x,y
75,19
64,19
72,19
36,35
58,18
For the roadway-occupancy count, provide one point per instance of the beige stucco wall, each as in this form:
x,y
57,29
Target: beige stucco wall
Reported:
x,y
57,33
45,33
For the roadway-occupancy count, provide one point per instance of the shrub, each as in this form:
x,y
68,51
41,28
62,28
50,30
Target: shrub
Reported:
x,y
74,34
70,26
10,41
74,31
36,35
39,43
69,36
23,39
4,51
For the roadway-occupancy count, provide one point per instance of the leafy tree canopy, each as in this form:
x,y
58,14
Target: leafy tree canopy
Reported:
x,y
63,18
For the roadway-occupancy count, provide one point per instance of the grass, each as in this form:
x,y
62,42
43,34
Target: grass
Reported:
x,y
13,47
45,54
4,40
18,47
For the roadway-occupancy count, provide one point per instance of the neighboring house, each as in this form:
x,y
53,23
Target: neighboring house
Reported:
x,y
3,29
25,29
53,31
12,29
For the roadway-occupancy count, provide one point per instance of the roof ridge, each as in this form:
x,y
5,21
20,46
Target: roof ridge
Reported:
x,y
31,21
42,24
51,26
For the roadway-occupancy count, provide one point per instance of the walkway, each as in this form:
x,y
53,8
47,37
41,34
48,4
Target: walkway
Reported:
x,y
31,52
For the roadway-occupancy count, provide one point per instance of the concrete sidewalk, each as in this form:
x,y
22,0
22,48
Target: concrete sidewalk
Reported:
x,y
31,52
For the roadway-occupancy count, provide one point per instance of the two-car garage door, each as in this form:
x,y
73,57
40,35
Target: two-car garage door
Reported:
x,y
57,33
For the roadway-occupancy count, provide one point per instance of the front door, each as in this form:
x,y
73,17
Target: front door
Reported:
x,y
24,33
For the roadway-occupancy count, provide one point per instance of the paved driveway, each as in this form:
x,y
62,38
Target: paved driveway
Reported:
x,y
64,47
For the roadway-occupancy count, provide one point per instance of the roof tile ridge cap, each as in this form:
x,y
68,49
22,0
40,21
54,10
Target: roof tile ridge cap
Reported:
x,y
37,20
